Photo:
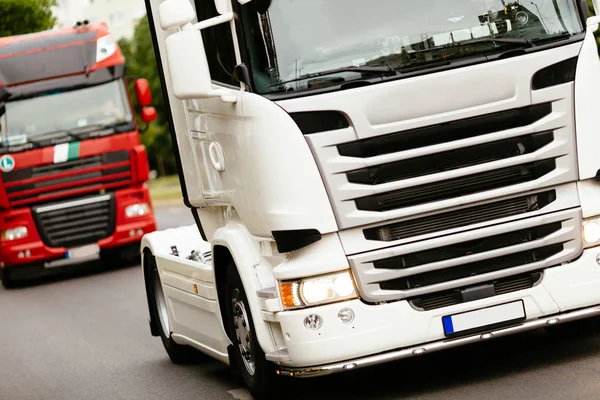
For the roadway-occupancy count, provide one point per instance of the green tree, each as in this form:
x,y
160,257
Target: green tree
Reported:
x,y
141,63
26,16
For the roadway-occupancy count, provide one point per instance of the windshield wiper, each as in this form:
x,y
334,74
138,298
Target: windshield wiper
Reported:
x,y
385,71
513,41
53,135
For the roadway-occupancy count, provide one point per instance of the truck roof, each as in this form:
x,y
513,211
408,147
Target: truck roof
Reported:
x,y
52,54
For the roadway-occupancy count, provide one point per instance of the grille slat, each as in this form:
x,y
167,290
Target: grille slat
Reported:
x,y
461,218
447,132
451,160
454,297
456,187
76,225
36,184
472,269
469,248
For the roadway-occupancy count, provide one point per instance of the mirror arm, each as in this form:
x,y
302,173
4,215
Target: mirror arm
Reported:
x,y
227,17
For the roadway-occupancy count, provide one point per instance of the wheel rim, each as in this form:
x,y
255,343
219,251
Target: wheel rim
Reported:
x,y
161,305
243,333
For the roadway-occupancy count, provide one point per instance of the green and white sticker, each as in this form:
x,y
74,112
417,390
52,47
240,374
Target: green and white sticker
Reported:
x,y
66,152
7,163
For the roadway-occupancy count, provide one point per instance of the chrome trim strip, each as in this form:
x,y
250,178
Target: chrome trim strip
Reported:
x,y
74,203
309,372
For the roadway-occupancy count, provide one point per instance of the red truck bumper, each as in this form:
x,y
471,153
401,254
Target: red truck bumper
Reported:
x,y
32,249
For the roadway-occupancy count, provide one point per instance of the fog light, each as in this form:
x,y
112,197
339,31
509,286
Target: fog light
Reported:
x,y
137,210
346,315
132,233
313,322
21,254
140,232
591,231
14,233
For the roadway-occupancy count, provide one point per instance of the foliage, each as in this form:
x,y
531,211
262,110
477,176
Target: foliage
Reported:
x,y
26,16
141,63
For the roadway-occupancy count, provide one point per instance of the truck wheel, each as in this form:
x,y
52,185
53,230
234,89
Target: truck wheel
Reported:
x,y
178,354
249,359
14,277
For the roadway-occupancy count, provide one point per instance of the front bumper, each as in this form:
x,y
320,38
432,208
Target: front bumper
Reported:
x,y
382,333
33,250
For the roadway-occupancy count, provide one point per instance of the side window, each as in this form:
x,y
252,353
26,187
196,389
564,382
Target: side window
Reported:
x,y
218,43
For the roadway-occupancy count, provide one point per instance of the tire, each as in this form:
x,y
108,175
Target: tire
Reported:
x,y
124,256
249,360
15,277
179,354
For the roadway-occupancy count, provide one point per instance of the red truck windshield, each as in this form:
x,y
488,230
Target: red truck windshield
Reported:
x,y
57,113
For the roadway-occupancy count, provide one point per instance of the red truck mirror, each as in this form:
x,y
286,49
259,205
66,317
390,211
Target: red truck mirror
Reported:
x,y
148,114
142,92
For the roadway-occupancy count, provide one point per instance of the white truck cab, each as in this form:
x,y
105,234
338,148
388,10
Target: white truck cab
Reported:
x,y
370,183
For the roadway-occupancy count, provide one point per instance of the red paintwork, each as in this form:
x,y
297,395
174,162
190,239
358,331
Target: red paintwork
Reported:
x,y
40,252
142,91
148,114
17,212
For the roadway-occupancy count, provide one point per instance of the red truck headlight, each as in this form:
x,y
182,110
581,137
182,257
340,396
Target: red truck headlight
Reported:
x,y
137,210
14,233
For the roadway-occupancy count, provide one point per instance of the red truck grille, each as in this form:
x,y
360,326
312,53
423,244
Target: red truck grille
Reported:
x,y
76,222
48,182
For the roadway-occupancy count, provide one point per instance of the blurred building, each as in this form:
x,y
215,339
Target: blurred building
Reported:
x,y
121,15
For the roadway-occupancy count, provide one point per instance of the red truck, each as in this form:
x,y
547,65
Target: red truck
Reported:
x,y
73,171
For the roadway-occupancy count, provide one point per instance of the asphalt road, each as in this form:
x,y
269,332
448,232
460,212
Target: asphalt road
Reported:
x,y
84,335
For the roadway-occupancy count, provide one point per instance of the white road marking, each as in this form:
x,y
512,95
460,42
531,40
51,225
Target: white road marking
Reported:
x,y
175,210
241,394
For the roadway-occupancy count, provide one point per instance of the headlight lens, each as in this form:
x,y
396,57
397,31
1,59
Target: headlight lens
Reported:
x,y
315,291
137,210
14,233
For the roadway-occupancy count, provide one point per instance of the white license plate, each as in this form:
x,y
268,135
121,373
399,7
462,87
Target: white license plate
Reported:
x,y
484,319
86,251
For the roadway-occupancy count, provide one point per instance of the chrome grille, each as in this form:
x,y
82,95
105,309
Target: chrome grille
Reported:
x,y
449,262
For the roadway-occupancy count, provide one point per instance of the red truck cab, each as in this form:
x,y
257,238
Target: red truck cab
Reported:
x,y
73,171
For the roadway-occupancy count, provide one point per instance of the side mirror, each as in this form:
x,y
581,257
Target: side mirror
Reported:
x,y
174,13
148,114
142,92
186,57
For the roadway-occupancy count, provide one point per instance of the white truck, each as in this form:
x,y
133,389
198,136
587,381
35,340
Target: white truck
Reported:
x,y
373,181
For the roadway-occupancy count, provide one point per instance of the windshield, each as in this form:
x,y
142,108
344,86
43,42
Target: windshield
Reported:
x,y
56,112
299,38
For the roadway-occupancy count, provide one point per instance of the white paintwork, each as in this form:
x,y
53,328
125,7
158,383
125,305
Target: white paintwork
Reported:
x,y
587,84
250,171
589,193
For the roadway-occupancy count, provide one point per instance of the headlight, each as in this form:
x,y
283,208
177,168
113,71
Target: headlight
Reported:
x,y
14,233
320,290
591,233
105,47
137,210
